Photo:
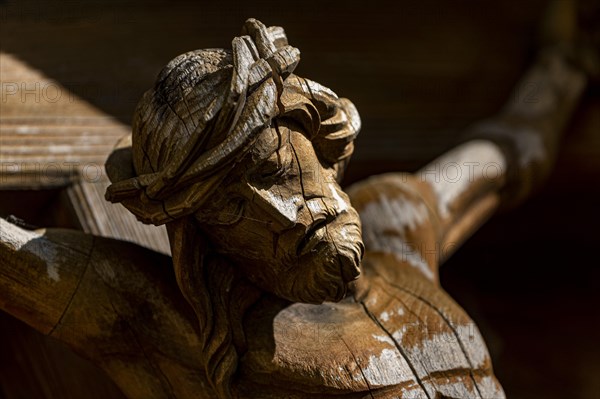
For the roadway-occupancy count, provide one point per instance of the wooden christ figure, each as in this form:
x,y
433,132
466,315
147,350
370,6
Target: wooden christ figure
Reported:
x,y
280,288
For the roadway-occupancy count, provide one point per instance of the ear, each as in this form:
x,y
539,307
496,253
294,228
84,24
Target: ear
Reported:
x,y
119,164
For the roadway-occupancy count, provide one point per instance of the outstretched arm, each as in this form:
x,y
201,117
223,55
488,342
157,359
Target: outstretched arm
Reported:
x,y
510,155
113,302
424,217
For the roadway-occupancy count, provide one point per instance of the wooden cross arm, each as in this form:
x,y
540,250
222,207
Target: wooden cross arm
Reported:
x,y
111,301
500,163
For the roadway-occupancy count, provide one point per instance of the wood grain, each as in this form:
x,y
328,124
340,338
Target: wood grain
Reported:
x,y
50,138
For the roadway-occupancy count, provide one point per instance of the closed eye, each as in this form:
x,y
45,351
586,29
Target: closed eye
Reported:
x,y
274,168
273,174
226,212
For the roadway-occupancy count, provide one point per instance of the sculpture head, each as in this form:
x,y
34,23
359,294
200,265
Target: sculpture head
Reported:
x,y
252,154
242,159
281,216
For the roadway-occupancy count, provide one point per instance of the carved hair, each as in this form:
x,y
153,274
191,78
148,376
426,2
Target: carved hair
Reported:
x,y
204,114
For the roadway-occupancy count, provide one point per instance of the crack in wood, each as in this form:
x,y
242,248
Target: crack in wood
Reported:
x,y
359,367
452,328
398,347
76,290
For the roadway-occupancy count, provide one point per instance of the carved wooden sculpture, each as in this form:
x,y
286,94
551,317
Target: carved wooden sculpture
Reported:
x,y
241,159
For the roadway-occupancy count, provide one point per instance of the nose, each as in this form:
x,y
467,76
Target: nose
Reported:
x,y
281,208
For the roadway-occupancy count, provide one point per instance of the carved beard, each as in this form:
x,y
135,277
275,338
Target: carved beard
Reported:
x,y
314,276
323,275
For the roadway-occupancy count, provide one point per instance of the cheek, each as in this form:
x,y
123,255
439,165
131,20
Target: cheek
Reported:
x,y
240,242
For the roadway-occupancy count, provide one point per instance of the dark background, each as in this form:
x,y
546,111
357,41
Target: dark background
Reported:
x,y
419,72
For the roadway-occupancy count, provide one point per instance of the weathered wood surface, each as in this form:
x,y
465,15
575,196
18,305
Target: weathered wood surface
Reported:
x,y
51,138
48,135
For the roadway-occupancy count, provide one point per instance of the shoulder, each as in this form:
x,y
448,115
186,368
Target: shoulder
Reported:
x,y
394,339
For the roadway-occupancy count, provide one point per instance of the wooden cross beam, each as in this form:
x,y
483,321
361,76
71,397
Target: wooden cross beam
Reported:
x,y
50,138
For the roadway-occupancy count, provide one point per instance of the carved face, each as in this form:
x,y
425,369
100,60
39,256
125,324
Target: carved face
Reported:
x,y
284,220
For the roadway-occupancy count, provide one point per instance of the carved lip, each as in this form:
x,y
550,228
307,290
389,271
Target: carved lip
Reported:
x,y
312,237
